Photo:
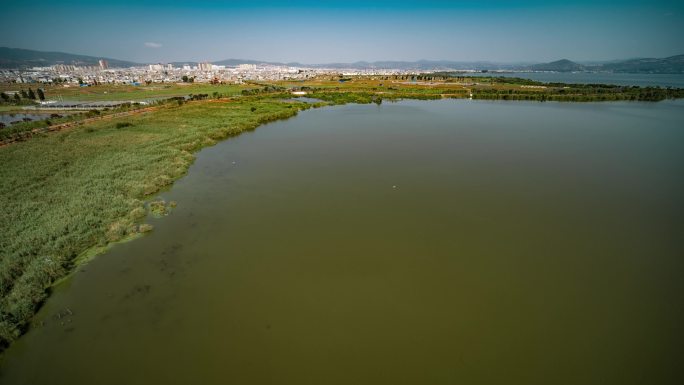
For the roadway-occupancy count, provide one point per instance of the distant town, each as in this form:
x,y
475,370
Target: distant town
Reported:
x,y
204,72
29,66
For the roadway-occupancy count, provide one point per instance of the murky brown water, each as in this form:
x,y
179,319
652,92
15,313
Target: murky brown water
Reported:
x,y
442,242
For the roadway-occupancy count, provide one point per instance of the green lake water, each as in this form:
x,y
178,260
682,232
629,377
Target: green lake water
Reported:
x,y
440,242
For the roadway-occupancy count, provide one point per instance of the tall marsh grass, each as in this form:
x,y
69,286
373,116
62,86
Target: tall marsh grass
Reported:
x,y
65,193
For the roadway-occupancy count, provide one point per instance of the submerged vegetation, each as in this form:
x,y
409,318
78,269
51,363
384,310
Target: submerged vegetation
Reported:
x,y
159,208
67,193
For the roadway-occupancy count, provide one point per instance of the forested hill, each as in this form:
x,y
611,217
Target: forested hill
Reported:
x,y
668,65
563,65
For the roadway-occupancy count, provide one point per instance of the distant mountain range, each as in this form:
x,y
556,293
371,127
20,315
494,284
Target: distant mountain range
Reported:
x,y
563,65
24,58
668,65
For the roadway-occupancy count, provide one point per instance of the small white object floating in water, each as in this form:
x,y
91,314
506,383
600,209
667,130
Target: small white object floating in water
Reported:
x,y
395,186
233,162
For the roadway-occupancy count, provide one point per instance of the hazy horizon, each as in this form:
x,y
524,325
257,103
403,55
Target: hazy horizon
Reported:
x,y
346,32
519,62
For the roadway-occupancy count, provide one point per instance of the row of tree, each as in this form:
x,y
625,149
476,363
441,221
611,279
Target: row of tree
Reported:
x,y
23,94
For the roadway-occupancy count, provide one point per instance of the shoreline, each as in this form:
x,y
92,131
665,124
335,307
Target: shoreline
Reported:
x,y
126,165
115,228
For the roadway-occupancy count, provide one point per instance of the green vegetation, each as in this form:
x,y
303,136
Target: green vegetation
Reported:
x,y
580,93
509,88
68,192
455,85
344,97
104,92
123,124
261,89
24,130
21,98
159,208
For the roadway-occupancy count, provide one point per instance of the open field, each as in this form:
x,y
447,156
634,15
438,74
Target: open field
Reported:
x,y
444,85
70,193
431,86
106,92
11,109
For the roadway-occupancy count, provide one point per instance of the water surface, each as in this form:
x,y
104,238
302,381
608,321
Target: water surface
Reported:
x,y
437,242
18,117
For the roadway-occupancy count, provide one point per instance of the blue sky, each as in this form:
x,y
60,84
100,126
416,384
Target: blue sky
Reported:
x,y
345,31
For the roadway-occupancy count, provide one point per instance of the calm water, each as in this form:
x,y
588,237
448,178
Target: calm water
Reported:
x,y
662,80
442,242
10,118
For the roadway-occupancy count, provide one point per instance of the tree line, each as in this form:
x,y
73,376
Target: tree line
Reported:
x,y
22,95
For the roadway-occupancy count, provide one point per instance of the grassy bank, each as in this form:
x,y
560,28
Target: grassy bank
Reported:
x,y
68,192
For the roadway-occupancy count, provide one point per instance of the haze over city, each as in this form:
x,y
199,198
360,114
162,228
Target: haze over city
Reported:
x,y
348,31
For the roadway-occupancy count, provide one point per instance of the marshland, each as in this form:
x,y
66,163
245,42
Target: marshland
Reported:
x,y
408,239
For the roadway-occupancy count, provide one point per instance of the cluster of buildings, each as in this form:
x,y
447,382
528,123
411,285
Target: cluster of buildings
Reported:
x,y
165,73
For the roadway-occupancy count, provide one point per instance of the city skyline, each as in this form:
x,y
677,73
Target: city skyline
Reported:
x,y
329,32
